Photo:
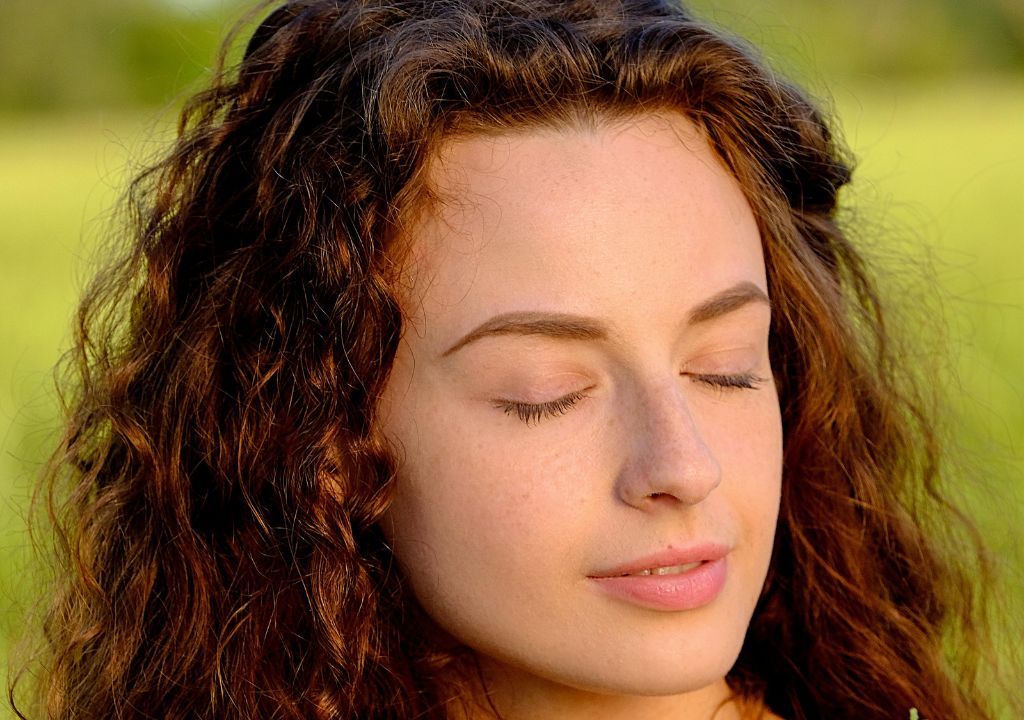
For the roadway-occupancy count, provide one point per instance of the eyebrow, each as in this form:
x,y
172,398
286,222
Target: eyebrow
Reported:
x,y
567,326
553,325
727,301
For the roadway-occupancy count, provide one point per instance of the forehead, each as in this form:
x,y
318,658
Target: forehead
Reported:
x,y
579,218
513,165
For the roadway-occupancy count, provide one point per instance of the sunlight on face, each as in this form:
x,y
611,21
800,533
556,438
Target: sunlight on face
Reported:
x,y
588,430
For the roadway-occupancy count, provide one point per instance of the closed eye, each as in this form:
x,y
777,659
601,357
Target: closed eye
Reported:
x,y
535,412
738,381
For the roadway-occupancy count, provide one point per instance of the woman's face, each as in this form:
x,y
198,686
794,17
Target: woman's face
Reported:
x,y
587,427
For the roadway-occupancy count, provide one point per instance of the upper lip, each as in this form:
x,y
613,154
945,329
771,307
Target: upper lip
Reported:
x,y
702,552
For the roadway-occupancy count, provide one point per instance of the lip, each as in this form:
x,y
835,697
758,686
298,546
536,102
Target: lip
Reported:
x,y
688,590
704,552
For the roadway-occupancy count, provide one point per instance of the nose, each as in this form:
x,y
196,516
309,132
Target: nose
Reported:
x,y
667,459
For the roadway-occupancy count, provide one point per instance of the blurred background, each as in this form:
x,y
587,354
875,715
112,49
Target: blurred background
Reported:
x,y
929,95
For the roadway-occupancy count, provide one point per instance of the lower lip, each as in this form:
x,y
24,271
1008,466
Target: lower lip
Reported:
x,y
683,591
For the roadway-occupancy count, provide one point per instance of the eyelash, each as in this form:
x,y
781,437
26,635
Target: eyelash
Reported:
x,y
725,383
535,412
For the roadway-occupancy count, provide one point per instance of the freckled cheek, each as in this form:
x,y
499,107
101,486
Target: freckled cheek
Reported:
x,y
478,499
748,448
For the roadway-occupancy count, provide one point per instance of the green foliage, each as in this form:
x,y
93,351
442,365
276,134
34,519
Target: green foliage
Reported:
x,y
874,39
60,54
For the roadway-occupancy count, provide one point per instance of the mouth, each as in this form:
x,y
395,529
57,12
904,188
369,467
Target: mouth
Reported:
x,y
666,570
670,561
670,582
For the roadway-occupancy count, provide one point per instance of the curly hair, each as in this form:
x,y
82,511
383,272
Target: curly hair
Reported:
x,y
217,490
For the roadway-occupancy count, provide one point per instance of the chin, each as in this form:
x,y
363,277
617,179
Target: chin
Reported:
x,y
657,686
653,671
683,676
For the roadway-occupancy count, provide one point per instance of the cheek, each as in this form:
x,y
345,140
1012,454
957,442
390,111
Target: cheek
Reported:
x,y
468,505
749,448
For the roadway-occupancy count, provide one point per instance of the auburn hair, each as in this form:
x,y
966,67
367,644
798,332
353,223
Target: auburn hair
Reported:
x,y
217,490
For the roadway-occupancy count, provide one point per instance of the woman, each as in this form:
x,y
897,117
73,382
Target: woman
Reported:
x,y
498,359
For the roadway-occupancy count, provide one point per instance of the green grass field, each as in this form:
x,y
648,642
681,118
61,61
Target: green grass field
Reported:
x,y
939,179
940,174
